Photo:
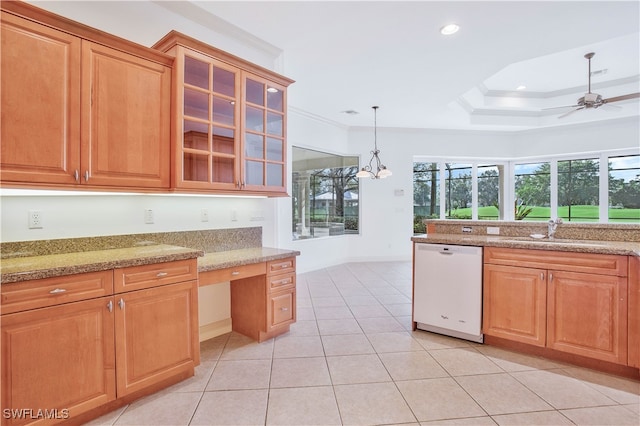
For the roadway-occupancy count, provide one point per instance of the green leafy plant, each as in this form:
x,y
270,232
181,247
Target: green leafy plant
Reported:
x,y
521,210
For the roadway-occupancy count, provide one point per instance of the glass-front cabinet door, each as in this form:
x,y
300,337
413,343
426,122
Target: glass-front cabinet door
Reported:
x,y
264,128
230,121
210,122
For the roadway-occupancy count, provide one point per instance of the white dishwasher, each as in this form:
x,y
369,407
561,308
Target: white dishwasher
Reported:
x,y
447,294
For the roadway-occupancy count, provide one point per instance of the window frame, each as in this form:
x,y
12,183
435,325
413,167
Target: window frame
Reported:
x,y
311,230
508,188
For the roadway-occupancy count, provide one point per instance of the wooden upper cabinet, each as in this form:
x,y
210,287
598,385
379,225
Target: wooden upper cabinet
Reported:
x,y
81,107
40,127
264,146
230,121
125,119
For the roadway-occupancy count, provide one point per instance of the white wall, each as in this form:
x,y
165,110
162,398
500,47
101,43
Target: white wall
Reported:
x,y
81,215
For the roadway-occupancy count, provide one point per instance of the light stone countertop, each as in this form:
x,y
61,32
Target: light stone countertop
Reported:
x,y
19,269
55,265
580,246
231,258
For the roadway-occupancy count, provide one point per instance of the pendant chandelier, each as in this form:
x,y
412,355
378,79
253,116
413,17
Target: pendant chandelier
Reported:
x,y
381,170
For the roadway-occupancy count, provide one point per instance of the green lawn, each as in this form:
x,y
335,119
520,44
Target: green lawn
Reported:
x,y
578,214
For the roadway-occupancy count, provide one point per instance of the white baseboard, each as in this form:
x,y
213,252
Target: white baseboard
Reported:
x,y
215,329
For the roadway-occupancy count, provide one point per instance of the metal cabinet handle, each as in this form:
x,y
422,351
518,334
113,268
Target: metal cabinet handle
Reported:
x,y
86,175
542,276
284,309
76,176
235,273
121,304
282,281
57,291
550,276
110,306
162,274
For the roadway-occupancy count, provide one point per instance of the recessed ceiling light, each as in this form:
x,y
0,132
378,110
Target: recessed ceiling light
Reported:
x,y
449,29
521,87
350,112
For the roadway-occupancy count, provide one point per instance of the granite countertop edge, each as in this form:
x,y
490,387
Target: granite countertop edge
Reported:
x,y
578,246
233,258
47,266
21,269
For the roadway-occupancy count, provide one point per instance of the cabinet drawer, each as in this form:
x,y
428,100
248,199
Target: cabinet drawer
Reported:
x,y
231,274
34,294
602,264
146,276
281,308
281,265
280,282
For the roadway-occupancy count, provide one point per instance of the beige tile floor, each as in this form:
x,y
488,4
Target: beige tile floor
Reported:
x,y
352,359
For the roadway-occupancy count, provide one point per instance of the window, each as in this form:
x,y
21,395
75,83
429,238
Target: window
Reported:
x,y
603,187
624,189
578,190
532,191
426,187
324,194
458,190
489,190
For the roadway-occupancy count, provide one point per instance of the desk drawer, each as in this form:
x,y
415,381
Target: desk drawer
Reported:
x,y
34,294
281,266
147,276
282,281
232,274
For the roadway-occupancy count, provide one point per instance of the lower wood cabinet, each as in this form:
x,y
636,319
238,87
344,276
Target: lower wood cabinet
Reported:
x,y
633,354
264,306
569,302
60,359
65,360
515,303
155,331
587,315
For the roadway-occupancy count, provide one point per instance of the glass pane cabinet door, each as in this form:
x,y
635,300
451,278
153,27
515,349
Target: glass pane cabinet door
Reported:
x,y
210,121
264,135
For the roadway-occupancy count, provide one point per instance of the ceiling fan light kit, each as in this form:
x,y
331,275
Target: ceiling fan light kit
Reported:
x,y
593,100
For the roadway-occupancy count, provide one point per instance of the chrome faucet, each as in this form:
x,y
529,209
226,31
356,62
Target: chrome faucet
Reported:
x,y
553,225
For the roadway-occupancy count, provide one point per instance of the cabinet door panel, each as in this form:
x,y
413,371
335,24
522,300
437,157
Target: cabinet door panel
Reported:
x,y
40,89
281,309
125,132
634,312
587,315
60,357
514,303
156,335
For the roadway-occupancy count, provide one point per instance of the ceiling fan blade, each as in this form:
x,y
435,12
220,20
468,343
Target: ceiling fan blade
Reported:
x,y
621,98
558,107
570,112
607,106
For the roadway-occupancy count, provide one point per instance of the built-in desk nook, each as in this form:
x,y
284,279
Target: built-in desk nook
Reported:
x,y
122,312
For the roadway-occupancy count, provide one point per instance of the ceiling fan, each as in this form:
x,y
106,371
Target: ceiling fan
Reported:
x,y
593,100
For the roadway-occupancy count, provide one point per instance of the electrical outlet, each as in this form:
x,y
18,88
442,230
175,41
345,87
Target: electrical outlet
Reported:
x,y
234,215
148,216
35,219
493,230
204,215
